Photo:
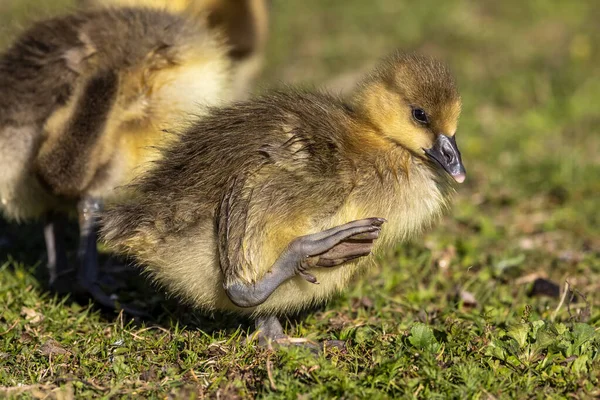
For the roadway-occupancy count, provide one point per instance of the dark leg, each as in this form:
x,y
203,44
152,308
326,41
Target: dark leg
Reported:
x,y
270,332
88,277
87,253
269,328
301,254
54,231
323,249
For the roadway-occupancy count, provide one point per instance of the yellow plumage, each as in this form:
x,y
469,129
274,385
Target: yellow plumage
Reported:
x,y
244,25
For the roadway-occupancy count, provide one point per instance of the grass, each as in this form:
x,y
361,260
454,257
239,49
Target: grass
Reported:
x,y
477,308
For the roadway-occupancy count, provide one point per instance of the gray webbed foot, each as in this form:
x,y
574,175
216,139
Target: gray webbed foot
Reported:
x,y
268,329
322,249
336,246
269,333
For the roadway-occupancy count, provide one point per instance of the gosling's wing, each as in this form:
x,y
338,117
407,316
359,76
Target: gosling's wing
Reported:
x,y
66,162
264,209
232,216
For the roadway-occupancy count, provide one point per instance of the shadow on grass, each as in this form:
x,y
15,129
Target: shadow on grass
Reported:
x,y
23,244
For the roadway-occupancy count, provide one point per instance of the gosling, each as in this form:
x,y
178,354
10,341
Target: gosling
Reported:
x,y
273,205
86,99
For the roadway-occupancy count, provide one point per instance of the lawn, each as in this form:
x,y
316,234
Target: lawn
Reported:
x,y
500,300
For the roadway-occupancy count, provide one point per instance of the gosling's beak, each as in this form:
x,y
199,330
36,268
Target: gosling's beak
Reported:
x,y
445,152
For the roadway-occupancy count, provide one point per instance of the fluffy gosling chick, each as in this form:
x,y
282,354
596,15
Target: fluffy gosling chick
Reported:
x,y
85,101
262,200
243,23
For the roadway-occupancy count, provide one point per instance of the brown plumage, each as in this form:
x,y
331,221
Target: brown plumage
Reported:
x,y
87,97
253,183
244,24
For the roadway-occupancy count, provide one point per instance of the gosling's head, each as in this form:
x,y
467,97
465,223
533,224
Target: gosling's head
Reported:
x,y
412,100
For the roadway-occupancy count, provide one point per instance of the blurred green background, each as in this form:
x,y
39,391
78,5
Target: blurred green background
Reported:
x,y
529,75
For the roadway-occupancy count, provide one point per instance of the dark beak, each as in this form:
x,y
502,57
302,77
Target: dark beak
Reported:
x,y
445,152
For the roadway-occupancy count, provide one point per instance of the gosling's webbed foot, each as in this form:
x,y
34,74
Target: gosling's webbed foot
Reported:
x,y
94,291
82,290
335,246
354,247
269,333
268,328
322,249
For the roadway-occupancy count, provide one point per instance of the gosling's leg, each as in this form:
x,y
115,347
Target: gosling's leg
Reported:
x,y
323,249
88,276
54,235
269,332
303,253
88,210
268,328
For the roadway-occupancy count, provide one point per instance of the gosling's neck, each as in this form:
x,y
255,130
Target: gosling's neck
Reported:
x,y
403,189
391,181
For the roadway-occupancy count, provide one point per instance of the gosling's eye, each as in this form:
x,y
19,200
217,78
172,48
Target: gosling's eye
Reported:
x,y
420,115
